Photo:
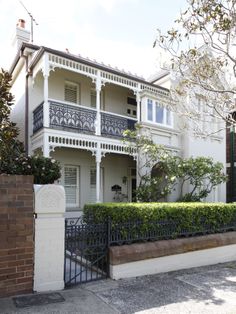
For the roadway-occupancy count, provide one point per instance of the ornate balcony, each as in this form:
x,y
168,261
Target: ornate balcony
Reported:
x,y
114,125
38,118
80,119
72,118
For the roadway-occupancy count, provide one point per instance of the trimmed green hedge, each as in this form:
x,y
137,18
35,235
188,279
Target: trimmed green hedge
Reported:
x,y
188,217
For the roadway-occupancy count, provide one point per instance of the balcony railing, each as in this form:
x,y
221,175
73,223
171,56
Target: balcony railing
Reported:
x,y
72,118
114,125
38,118
80,119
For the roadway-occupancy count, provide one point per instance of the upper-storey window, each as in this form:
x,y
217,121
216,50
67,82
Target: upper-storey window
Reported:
x,y
150,110
131,107
93,98
71,92
158,114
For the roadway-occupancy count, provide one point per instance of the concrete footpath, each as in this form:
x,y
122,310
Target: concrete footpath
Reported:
x,y
199,290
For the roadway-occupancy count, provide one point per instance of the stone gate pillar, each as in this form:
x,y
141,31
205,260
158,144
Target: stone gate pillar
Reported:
x,y
49,237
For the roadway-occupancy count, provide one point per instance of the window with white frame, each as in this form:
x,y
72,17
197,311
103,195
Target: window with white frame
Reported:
x,y
208,121
93,98
131,107
71,185
150,110
71,92
158,114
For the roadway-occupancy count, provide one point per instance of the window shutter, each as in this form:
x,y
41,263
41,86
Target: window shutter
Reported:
x,y
71,185
71,92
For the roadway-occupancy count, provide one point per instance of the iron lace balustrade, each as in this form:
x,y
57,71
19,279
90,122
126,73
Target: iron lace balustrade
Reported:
x,y
72,118
38,118
114,125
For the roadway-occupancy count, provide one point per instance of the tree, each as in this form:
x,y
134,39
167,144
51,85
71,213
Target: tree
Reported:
x,y
202,61
10,147
160,170
157,167
201,175
157,171
13,159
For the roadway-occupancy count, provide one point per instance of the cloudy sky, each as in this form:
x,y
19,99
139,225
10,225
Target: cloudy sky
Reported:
x,y
117,32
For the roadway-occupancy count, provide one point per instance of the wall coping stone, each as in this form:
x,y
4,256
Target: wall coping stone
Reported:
x,y
141,251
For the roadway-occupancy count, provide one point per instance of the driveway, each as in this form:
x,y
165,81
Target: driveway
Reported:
x,y
200,290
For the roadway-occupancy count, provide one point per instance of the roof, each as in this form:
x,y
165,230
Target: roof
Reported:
x,y
159,75
80,59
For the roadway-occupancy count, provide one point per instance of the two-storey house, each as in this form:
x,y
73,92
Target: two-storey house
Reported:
x,y
75,110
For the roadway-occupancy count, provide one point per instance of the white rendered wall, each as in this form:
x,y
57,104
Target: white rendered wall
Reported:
x,y
174,262
49,238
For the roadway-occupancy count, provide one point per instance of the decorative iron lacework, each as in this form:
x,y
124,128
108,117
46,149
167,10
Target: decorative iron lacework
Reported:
x,y
38,118
114,126
63,116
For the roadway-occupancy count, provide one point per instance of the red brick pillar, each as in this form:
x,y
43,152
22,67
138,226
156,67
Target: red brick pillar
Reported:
x,y
16,234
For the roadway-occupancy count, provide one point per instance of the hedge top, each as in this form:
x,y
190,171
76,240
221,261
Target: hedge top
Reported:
x,y
213,213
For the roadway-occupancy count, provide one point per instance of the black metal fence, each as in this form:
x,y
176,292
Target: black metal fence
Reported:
x,y
86,251
141,231
87,243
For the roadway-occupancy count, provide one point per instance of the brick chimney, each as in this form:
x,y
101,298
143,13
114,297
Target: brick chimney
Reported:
x,y
21,35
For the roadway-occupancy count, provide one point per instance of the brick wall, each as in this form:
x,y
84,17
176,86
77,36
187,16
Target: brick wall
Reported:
x,y
16,235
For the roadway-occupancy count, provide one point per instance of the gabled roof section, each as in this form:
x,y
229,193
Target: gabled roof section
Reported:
x,y
157,76
20,53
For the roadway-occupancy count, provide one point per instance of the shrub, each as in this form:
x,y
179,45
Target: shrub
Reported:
x,y
178,218
45,170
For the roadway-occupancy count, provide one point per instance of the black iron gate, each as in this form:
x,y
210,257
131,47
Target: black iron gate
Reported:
x,y
86,251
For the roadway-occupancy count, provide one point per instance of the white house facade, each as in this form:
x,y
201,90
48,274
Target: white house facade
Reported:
x,y
75,110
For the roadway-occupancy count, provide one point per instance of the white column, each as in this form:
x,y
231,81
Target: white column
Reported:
x,y
98,105
46,149
49,237
98,176
45,91
137,172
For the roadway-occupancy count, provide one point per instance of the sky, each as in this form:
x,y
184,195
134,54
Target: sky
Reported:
x,y
119,33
